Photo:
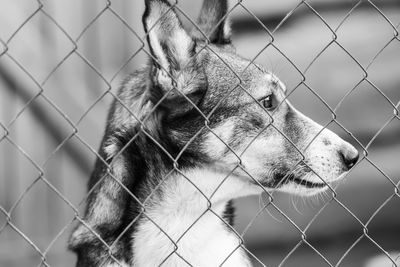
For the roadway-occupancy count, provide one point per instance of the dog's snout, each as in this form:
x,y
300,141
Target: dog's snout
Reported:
x,y
349,155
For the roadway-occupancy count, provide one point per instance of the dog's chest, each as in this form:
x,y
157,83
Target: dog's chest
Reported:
x,y
201,245
182,231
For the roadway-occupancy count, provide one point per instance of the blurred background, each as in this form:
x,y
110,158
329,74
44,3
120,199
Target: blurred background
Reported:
x,y
59,61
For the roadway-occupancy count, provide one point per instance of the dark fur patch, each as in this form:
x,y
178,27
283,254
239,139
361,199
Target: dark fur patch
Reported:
x,y
229,213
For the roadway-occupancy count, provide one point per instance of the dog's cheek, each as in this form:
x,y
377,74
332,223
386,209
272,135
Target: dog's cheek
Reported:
x,y
263,155
217,139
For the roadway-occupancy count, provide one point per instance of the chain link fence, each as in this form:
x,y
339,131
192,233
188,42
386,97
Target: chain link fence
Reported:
x,y
58,78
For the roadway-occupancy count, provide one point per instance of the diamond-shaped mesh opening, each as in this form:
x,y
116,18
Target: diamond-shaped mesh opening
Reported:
x,y
21,166
25,86
61,65
83,12
88,119
27,121
368,96
377,28
327,83
376,232
122,39
75,67
28,41
25,255
44,202
19,19
359,248
386,57
381,151
303,96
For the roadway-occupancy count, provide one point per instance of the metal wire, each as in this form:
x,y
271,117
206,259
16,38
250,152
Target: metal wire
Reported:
x,y
74,125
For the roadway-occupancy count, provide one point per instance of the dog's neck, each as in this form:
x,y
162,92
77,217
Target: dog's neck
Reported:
x,y
186,223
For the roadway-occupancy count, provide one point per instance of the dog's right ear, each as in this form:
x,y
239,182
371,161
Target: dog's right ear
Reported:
x,y
213,23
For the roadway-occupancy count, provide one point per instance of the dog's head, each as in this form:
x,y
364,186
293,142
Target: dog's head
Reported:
x,y
230,113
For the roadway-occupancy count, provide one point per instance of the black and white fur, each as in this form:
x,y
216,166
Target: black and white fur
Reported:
x,y
195,128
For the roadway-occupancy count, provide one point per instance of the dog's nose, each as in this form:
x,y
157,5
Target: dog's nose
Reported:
x,y
350,157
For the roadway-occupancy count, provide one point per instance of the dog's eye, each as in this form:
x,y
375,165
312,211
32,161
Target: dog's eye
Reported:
x,y
268,102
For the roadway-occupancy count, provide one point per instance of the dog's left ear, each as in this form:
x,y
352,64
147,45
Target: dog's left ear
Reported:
x,y
213,22
175,71
170,45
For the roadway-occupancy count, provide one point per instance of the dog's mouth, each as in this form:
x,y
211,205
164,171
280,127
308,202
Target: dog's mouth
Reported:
x,y
301,182
304,182
280,180
301,176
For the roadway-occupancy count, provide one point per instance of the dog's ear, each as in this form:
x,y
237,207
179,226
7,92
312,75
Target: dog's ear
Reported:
x,y
213,22
176,70
170,45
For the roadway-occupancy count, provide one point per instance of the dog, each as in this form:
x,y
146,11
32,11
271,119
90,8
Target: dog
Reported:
x,y
195,128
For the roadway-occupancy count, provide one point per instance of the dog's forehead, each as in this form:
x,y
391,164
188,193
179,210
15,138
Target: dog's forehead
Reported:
x,y
229,70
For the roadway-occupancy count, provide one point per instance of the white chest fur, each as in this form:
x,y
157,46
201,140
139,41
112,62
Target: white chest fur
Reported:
x,y
191,231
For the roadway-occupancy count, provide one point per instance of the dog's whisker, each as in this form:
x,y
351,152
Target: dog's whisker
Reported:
x,y
266,209
295,203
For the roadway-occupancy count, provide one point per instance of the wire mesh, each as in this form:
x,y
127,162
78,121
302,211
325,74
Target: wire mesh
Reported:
x,y
72,131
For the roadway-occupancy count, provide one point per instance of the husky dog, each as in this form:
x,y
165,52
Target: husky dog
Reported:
x,y
194,129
